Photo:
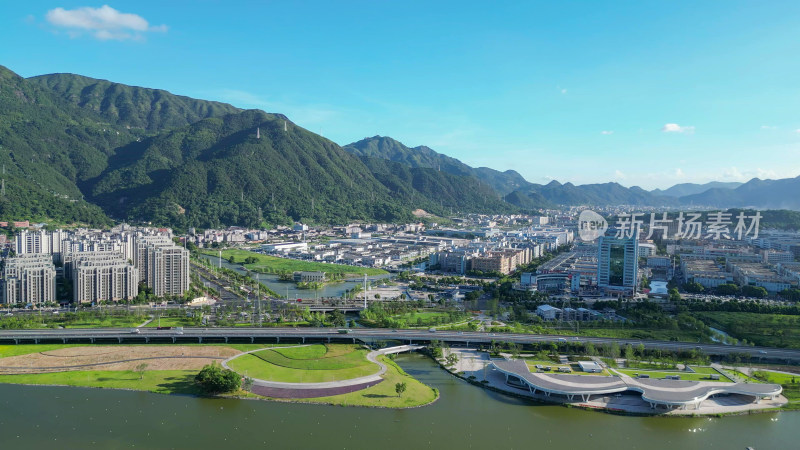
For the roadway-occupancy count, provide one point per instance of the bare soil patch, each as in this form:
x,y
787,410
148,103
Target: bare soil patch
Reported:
x,y
157,357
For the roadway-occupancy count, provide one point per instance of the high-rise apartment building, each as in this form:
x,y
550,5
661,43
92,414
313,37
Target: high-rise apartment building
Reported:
x,y
162,265
102,276
29,279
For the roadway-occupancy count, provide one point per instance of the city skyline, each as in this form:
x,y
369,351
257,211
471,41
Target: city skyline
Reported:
x,y
576,93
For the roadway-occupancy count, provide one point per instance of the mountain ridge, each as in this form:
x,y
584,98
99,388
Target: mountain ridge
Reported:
x,y
422,156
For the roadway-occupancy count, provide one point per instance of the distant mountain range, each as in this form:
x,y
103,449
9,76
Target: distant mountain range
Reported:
x,y
514,189
683,189
78,149
388,148
756,193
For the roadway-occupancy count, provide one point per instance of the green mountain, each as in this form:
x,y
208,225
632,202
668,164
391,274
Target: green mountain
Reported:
x,y
148,155
588,194
46,148
392,150
152,110
682,189
759,194
218,172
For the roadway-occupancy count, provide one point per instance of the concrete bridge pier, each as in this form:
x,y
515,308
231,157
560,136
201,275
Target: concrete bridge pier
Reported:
x,y
173,339
64,340
91,340
329,340
16,341
279,339
200,339
226,339
304,339
146,340
252,340
119,340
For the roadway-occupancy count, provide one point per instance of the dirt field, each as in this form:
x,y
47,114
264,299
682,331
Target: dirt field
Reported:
x,y
157,357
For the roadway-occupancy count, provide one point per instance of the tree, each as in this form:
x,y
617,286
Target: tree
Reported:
x,y
400,388
674,295
140,368
213,379
338,319
452,359
694,287
754,291
232,259
247,384
628,352
727,289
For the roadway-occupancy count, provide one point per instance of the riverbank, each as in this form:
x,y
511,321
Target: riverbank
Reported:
x,y
170,369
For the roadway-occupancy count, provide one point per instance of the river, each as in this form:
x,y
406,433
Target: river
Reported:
x,y
283,288
465,416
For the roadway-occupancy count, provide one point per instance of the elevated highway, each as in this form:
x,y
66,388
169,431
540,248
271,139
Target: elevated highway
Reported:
x,y
466,338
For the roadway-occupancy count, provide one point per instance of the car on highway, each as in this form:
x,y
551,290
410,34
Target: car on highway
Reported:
x,y
134,331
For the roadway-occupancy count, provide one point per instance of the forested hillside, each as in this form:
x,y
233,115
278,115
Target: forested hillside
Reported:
x,y
71,145
131,106
387,148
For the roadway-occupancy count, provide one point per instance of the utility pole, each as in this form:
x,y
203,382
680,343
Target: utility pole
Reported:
x,y
365,291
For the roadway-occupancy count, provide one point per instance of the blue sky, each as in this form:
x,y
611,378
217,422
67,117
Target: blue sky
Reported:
x,y
644,93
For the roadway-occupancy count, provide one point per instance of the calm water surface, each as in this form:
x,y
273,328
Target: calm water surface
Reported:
x,y
283,288
465,417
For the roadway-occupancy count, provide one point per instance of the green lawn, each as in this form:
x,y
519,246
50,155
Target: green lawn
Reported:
x,y
790,383
26,349
300,365
769,330
159,381
305,352
383,394
273,264
348,361
172,322
684,375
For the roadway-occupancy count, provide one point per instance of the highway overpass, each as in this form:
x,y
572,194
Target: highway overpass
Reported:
x,y
467,338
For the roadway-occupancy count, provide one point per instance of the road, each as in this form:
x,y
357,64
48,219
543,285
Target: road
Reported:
x,y
332,334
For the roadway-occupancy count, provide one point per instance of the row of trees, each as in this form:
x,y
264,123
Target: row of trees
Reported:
x,y
729,289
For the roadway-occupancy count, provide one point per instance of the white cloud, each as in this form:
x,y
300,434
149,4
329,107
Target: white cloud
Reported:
x,y
607,132
103,23
675,128
679,173
769,127
618,175
733,173
797,130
